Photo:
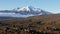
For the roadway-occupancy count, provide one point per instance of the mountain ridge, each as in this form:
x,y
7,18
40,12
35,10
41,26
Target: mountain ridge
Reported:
x,y
24,12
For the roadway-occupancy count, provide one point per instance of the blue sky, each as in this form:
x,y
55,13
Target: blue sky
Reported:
x,y
48,5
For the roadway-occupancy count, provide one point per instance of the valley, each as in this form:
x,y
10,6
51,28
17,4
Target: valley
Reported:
x,y
43,24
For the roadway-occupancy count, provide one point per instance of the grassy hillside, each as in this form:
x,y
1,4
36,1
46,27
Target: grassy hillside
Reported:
x,y
43,24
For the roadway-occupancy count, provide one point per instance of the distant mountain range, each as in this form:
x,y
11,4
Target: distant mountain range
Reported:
x,y
23,12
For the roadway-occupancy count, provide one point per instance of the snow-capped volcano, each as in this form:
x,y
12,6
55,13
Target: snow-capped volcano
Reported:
x,y
29,10
23,12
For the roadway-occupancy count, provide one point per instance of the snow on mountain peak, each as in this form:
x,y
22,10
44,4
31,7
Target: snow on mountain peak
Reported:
x,y
30,10
26,8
